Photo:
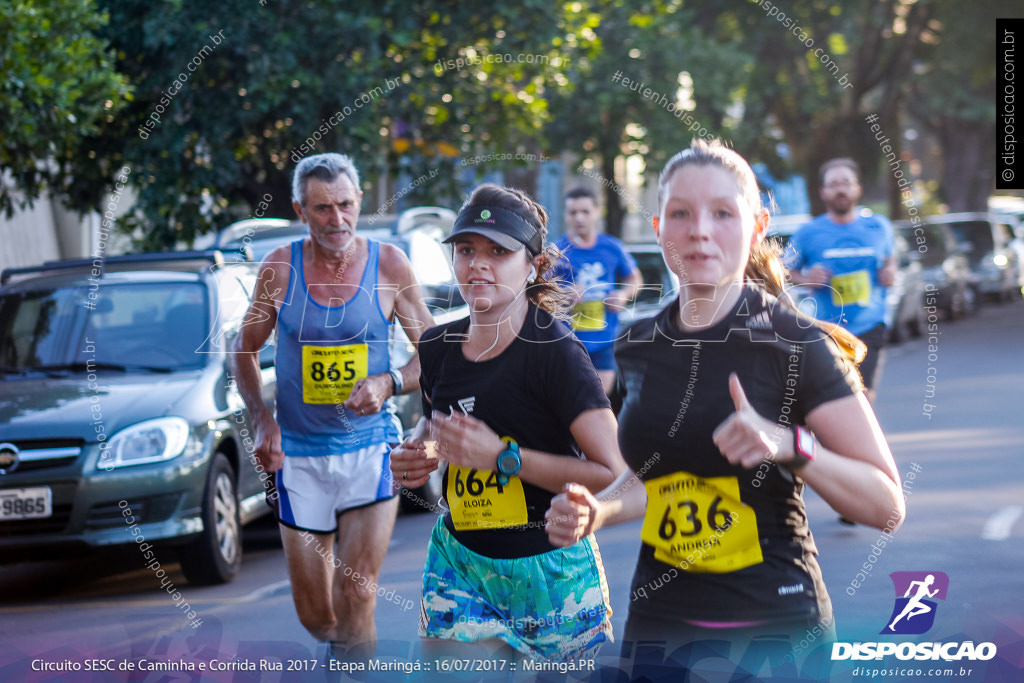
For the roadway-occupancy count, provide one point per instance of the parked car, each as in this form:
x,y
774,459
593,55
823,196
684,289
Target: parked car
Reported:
x,y
1010,210
995,264
119,419
418,232
905,313
944,266
660,285
254,238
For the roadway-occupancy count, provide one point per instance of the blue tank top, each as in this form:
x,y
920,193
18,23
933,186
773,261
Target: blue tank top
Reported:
x,y
321,351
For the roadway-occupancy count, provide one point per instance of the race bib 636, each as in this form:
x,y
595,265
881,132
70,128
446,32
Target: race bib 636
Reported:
x,y
699,524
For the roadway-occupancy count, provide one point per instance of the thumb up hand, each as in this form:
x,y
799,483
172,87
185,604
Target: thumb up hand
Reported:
x,y
745,438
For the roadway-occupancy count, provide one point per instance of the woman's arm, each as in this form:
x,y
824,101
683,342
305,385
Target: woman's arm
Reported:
x,y
466,441
577,512
852,468
410,462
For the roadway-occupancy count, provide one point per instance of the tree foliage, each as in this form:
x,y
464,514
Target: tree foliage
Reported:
x,y
951,96
812,72
224,98
59,85
624,88
289,79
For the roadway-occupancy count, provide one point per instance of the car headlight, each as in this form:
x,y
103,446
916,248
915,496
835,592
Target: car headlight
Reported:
x,y
150,441
1000,260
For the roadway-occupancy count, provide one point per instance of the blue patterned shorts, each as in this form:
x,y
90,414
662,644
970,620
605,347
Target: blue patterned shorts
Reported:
x,y
551,606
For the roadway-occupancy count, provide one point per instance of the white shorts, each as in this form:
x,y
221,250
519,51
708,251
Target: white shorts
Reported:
x,y
309,492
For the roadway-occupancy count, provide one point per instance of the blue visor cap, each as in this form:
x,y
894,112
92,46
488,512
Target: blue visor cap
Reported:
x,y
501,226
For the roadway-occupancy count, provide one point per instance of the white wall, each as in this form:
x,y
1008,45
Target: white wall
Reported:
x,y
29,237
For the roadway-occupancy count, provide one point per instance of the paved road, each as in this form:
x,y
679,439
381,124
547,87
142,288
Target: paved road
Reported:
x,y
953,418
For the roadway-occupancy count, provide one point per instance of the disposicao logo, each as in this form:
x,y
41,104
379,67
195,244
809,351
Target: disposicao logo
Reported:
x,y
485,217
913,614
916,593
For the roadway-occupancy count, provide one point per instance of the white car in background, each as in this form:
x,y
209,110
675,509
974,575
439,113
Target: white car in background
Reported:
x,y
1010,210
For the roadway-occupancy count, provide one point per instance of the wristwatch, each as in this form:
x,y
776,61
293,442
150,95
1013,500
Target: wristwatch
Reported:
x,y
803,448
397,381
509,460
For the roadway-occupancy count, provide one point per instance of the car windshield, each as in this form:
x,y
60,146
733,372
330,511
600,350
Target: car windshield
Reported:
x,y
976,233
651,265
434,273
156,326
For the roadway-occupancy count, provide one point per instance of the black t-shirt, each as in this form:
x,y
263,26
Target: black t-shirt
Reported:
x,y
531,393
713,566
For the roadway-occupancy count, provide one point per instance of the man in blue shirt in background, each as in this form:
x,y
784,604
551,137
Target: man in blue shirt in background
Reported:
x,y
846,255
604,276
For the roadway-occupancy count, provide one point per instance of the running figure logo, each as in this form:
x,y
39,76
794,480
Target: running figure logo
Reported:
x,y
914,613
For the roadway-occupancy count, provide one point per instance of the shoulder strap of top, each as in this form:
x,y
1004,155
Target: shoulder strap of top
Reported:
x,y
295,274
369,281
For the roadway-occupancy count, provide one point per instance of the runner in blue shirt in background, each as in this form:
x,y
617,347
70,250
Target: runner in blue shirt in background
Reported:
x,y
604,276
846,255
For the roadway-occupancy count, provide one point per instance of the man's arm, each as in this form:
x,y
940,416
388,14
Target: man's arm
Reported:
x,y
415,318
257,325
627,273
621,296
887,273
815,276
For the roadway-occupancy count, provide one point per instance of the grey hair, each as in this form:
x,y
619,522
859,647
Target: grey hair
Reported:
x,y
326,167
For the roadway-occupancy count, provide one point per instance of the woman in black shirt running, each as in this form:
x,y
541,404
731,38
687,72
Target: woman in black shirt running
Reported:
x,y
517,410
730,402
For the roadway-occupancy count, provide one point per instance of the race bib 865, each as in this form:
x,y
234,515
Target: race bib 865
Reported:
x,y
330,372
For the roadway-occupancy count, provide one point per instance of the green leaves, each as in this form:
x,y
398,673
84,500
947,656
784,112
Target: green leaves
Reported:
x,y
359,78
59,86
209,128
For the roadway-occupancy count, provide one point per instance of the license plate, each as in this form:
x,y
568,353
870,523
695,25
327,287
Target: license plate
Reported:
x,y
29,503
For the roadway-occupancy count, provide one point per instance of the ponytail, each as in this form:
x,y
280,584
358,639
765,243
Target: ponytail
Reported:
x,y
765,268
549,292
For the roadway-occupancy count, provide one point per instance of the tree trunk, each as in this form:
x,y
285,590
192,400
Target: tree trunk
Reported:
x,y
614,213
811,153
968,153
896,173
